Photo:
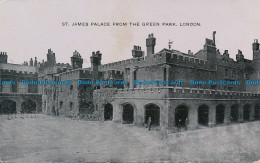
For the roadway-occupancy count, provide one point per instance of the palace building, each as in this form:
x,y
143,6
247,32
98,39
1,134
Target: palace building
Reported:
x,y
168,105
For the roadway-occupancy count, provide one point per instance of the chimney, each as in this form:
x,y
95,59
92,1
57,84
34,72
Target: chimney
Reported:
x,y
95,62
150,44
31,62
239,56
35,62
226,54
3,57
255,45
76,60
137,52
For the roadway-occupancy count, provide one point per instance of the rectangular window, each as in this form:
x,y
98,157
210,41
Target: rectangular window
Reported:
x,y
6,88
226,72
164,74
22,88
234,74
61,104
135,78
71,105
14,88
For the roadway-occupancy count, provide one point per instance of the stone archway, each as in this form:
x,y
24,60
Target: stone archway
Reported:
x,y
28,106
108,112
234,113
153,111
203,115
220,114
181,116
7,107
128,113
246,112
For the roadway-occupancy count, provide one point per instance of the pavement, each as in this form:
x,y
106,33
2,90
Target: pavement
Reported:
x,y
42,138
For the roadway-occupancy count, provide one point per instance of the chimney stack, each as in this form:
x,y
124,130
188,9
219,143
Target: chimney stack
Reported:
x,y
150,44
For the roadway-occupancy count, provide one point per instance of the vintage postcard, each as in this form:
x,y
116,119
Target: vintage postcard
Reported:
x,y
129,81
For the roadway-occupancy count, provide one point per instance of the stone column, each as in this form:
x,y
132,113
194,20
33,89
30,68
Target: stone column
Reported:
x,y
212,116
18,106
193,117
164,114
117,112
227,114
132,71
139,113
171,115
167,67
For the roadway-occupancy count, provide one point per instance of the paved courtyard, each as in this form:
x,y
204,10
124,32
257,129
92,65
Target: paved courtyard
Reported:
x,y
54,139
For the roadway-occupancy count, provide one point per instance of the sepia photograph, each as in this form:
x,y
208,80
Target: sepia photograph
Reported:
x,y
171,81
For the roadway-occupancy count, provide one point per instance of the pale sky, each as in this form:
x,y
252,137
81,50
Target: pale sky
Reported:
x,y
29,28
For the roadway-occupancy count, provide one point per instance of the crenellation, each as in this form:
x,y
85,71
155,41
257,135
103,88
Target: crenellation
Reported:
x,y
187,90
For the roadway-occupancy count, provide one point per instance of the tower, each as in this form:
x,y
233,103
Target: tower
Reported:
x,y
51,60
3,57
76,60
150,44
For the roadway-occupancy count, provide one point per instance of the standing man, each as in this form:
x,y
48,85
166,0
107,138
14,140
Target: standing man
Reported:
x,y
149,122
186,123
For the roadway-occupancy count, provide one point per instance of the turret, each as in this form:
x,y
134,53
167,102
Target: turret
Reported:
x,y
51,60
3,57
95,62
150,44
137,52
76,60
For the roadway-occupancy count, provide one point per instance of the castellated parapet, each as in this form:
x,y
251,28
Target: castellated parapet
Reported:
x,y
159,58
184,92
76,74
18,73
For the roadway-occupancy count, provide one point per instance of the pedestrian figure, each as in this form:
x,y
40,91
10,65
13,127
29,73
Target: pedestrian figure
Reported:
x,y
179,125
186,123
149,122
8,116
21,114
